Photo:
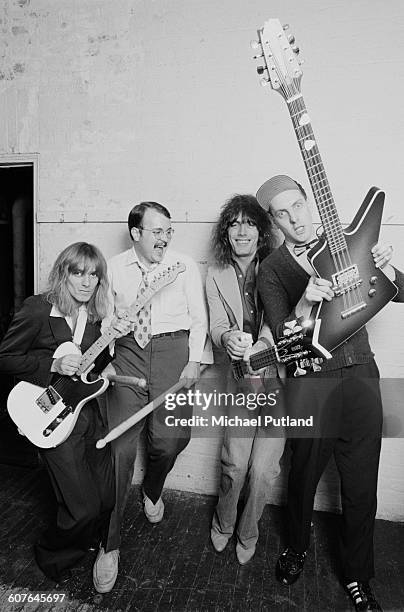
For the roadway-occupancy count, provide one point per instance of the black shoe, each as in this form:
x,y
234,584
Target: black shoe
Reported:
x,y
362,596
289,566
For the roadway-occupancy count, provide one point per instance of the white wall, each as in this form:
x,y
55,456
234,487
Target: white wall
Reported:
x,y
158,99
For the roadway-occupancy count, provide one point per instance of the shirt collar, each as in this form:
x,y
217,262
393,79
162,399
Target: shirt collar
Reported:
x,y
133,258
55,312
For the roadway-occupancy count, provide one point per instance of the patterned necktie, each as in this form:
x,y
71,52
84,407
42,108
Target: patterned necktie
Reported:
x,y
298,249
142,330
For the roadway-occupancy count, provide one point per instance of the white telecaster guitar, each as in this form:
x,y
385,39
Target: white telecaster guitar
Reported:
x,y
47,416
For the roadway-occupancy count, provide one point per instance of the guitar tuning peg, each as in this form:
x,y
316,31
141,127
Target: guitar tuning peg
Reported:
x,y
286,26
264,82
255,57
295,49
291,39
299,371
260,69
316,367
254,44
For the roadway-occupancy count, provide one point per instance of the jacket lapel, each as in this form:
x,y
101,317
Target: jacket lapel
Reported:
x,y
227,284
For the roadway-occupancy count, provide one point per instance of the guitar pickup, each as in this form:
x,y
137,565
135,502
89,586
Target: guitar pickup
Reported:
x,y
48,399
346,280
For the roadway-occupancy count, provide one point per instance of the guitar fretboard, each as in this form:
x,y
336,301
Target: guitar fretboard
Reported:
x,y
317,176
263,359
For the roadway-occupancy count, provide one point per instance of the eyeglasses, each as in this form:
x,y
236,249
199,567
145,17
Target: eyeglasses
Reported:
x,y
159,233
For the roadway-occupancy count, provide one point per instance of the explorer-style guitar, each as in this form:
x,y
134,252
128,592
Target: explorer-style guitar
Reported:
x,y
47,416
341,256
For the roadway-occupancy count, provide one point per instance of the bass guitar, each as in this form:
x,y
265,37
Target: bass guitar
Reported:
x,y
342,256
47,416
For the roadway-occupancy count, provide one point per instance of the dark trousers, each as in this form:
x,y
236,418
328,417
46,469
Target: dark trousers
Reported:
x,y
348,403
82,479
160,363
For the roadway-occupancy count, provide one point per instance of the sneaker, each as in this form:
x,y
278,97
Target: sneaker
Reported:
x,y
154,512
105,570
362,596
219,540
289,566
244,555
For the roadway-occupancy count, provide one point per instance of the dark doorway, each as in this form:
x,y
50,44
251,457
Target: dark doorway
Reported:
x,y
17,266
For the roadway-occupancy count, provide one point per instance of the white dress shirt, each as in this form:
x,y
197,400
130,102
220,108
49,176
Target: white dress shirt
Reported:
x,y
179,305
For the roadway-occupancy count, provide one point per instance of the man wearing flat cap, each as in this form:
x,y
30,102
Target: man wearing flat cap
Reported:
x,y
345,392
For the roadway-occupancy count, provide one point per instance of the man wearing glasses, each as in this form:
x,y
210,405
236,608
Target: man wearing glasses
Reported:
x,y
166,344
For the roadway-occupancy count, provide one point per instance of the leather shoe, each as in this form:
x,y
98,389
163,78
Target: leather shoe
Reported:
x,y
154,512
244,555
105,570
289,566
219,540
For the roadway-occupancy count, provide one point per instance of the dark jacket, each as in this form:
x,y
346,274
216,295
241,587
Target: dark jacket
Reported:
x,y
33,336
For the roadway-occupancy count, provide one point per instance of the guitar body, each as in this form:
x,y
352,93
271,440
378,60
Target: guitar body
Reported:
x,y
361,236
48,422
47,416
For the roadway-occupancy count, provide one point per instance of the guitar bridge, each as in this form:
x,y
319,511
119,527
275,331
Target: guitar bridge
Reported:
x,y
57,421
353,310
344,282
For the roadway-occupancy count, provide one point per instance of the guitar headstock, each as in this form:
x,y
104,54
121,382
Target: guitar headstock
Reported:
x,y
160,280
166,276
295,347
281,66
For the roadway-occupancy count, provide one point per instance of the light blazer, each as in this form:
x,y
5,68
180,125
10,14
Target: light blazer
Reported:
x,y
33,336
225,306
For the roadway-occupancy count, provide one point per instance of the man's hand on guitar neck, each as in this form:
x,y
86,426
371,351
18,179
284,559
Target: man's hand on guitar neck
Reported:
x,y
121,323
258,346
66,365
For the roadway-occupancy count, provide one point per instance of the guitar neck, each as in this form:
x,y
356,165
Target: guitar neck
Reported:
x,y
96,349
166,277
110,333
316,174
265,358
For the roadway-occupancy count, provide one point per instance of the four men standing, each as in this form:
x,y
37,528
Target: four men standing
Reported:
x,y
250,299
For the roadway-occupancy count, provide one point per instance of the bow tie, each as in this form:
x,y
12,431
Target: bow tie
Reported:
x,y
298,249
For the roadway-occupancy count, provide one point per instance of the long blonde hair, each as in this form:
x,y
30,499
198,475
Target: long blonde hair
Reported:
x,y
78,256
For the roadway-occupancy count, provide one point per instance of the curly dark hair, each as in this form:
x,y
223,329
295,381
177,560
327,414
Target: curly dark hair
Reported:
x,y
251,211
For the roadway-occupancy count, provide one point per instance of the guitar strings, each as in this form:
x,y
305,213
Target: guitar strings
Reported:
x,y
332,226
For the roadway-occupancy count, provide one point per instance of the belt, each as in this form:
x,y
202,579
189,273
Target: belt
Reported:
x,y
173,334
